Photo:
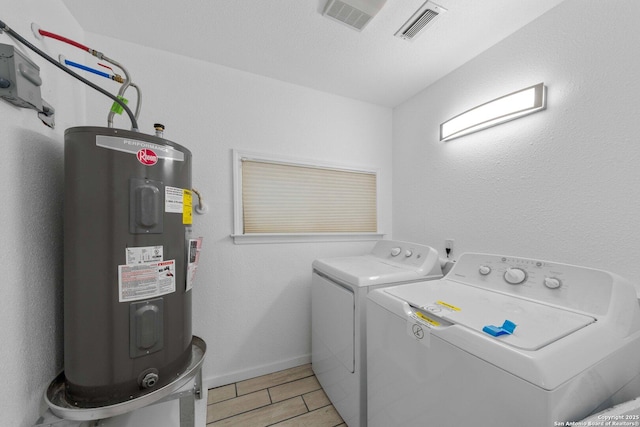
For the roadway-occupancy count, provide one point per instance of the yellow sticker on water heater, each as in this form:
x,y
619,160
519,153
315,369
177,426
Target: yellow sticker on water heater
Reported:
x,y
187,208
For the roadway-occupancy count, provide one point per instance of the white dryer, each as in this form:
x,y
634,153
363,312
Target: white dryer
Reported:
x,y
338,300
502,341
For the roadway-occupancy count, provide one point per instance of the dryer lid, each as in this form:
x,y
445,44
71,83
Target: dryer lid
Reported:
x,y
365,271
537,325
390,261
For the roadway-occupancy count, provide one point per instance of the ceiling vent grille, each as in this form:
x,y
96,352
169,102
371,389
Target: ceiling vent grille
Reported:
x,y
353,13
420,20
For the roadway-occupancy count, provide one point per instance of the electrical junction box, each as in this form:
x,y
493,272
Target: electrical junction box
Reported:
x,y
19,79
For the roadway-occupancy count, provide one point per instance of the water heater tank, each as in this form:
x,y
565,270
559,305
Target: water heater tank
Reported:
x,y
127,233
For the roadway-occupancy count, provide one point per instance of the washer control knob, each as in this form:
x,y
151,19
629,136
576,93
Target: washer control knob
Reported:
x,y
515,276
484,270
552,282
396,251
408,253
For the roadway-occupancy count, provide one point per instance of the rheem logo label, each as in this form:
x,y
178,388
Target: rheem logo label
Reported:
x,y
147,157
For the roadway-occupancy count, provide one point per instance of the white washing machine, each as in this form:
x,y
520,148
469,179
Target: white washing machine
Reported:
x,y
502,341
338,300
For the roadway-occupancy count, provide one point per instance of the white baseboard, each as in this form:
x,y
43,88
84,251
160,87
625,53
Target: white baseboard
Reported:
x,y
245,374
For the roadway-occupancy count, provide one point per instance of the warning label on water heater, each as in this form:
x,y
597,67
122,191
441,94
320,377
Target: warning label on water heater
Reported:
x,y
179,200
195,245
144,254
149,280
173,199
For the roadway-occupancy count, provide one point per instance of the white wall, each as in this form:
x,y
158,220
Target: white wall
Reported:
x,y
562,184
251,302
31,171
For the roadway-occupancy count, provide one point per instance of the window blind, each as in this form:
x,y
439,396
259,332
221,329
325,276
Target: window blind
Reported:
x,y
288,198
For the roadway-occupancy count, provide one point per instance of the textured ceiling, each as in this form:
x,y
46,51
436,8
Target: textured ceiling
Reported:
x,y
291,40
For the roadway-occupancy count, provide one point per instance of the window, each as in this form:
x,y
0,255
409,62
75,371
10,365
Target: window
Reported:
x,y
288,200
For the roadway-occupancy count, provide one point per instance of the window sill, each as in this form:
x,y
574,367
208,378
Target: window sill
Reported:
x,y
248,239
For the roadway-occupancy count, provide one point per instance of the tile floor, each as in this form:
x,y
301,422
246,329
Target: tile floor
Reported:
x,y
288,398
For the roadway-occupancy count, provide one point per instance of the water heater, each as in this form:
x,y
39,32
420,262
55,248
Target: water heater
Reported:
x,y
127,248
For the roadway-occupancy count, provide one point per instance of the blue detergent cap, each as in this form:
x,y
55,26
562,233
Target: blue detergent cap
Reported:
x,y
507,328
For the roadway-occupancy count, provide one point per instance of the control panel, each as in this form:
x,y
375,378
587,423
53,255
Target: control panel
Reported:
x,y
564,285
405,253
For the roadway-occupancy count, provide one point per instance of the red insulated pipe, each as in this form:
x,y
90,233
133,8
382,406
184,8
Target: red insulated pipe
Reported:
x,y
63,39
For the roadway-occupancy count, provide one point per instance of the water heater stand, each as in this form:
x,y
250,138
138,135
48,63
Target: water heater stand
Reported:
x,y
60,410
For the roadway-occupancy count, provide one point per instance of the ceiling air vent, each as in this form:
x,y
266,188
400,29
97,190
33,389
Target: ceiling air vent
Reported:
x,y
353,13
420,20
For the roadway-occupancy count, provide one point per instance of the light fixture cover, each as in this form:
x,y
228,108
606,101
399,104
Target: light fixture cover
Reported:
x,y
509,107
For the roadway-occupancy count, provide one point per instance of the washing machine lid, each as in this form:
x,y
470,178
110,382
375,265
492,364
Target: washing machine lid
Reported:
x,y
485,312
368,270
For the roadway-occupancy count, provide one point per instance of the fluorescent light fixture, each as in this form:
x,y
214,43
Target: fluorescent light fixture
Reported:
x,y
500,110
